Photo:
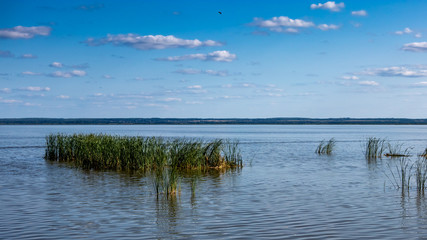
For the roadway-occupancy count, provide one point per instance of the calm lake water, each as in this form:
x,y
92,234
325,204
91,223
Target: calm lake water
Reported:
x,y
284,191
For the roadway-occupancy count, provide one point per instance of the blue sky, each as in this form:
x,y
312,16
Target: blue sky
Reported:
x,y
257,59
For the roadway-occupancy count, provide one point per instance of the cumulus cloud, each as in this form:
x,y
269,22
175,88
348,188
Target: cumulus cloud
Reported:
x,y
418,35
24,32
150,41
282,24
326,27
217,56
73,73
285,24
368,83
397,72
329,5
415,47
56,65
359,13
191,71
36,89
6,54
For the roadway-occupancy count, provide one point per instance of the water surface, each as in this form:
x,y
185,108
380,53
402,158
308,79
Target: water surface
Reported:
x,y
285,190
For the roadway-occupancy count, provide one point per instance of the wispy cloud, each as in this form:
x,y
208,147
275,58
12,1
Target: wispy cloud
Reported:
x,y
217,56
330,5
28,56
63,97
150,41
326,27
360,13
368,83
24,32
6,54
36,89
397,71
5,90
29,73
415,47
404,31
56,65
191,71
73,73
91,7
352,77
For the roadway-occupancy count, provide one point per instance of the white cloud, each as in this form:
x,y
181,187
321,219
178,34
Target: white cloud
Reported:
x,y
396,72
421,84
73,73
418,35
63,97
106,76
56,65
282,24
326,27
195,87
172,99
217,56
150,41
330,5
404,31
9,100
191,71
353,77
31,73
368,83
5,90
415,47
28,55
359,13
287,25
24,32
36,89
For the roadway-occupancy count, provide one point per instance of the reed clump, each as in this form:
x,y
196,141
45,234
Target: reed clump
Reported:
x,y
397,150
326,147
424,154
100,151
374,148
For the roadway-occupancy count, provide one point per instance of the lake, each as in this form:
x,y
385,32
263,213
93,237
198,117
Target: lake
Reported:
x,y
284,190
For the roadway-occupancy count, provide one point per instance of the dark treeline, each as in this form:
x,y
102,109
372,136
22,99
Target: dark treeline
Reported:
x,y
196,121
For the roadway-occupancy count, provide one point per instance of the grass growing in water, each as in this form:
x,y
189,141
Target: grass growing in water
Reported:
x,y
397,150
325,147
374,148
98,151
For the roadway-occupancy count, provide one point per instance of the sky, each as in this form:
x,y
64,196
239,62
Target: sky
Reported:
x,y
213,59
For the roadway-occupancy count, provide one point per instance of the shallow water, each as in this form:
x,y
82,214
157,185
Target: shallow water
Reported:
x,y
285,190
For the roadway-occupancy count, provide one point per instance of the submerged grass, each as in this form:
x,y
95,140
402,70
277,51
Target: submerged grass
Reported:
x,y
99,151
326,148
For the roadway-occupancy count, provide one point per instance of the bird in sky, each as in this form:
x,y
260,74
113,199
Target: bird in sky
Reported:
x,y
220,12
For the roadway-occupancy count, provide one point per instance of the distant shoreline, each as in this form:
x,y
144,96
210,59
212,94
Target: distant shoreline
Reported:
x,y
212,121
